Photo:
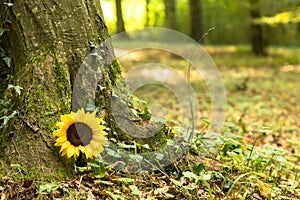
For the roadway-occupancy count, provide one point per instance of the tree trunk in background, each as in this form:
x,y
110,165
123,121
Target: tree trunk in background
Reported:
x,y
170,14
196,23
257,40
147,13
48,41
120,20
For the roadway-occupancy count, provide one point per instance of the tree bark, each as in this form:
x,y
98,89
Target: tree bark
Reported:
x,y
257,40
48,41
120,21
196,22
147,13
170,14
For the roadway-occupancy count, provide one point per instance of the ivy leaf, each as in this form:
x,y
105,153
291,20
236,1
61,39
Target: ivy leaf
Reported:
x,y
135,190
176,182
198,167
103,182
16,88
9,4
190,175
7,118
48,186
126,180
2,30
7,61
146,114
169,195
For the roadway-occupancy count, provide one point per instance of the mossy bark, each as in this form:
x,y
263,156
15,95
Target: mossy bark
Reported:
x,y
47,41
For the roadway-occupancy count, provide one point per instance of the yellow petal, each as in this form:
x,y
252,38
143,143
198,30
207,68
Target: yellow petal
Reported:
x,y
61,139
60,124
100,138
79,115
99,120
65,145
89,149
102,128
67,119
64,152
58,133
100,149
76,152
86,152
71,151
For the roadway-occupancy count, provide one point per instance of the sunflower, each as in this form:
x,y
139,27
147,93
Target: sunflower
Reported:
x,y
80,131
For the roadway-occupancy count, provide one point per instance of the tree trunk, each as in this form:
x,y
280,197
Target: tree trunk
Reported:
x,y
170,14
196,23
147,13
257,40
47,41
120,20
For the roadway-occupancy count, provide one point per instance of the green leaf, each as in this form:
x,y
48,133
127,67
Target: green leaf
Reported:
x,y
135,190
198,167
126,180
115,196
207,177
126,146
280,159
112,153
190,175
159,156
169,195
138,158
146,114
7,118
7,61
229,124
16,88
206,121
97,168
175,182
170,142
146,146
9,4
104,182
91,105
48,186
3,30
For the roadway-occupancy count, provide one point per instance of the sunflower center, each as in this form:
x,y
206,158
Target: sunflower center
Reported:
x,y
79,134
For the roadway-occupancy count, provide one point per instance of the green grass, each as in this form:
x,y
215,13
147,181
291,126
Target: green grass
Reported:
x,y
256,154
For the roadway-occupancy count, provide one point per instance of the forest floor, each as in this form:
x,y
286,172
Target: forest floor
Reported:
x,y
257,154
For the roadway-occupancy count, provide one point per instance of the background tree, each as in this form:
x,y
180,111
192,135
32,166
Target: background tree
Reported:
x,y
170,14
256,37
147,11
47,41
120,21
196,22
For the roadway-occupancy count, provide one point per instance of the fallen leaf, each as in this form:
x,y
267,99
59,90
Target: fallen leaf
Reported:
x,y
264,188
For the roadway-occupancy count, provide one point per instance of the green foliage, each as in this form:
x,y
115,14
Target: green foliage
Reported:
x,y
285,17
48,187
230,19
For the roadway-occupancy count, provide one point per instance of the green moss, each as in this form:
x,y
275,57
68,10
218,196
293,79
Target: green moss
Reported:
x,y
62,81
159,140
114,71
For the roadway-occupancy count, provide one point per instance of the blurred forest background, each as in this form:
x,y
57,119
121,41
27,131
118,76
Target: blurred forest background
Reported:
x,y
258,22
